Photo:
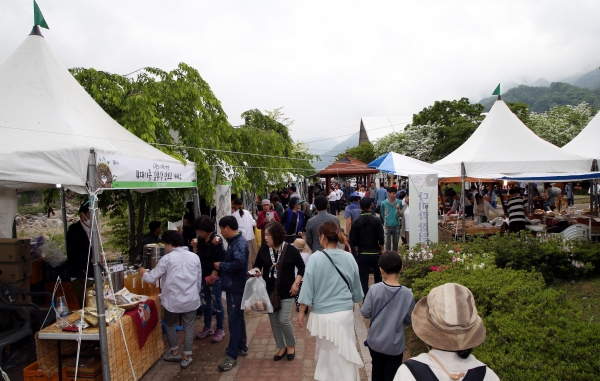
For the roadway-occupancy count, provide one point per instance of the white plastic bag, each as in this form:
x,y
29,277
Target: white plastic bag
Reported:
x,y
53,255
256,297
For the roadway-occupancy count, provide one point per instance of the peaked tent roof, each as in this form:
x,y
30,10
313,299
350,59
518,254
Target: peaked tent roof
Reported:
x,y
587,142
347,166
502,145
49,123
401,165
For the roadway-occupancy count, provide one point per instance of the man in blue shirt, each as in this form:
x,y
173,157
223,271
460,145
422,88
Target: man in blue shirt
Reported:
x,y
389,214
352,211
233,280
380,196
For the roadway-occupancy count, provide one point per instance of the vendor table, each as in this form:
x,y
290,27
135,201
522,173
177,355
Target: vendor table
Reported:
x,y
51,343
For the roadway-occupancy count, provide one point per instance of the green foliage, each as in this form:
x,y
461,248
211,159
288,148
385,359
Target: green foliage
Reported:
x,y
521,110
562,123
364,152
542,99
435,132
532,331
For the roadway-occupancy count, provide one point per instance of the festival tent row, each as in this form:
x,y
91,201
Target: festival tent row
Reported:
x,y
49,124
504,146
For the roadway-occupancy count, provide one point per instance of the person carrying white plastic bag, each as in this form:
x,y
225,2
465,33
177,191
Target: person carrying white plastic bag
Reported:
x,y
256,297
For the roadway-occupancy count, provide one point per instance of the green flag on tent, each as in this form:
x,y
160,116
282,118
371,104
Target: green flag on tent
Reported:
x,y
38,17
497,91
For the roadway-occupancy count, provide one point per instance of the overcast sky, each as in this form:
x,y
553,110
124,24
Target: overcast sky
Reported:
x,y
329,63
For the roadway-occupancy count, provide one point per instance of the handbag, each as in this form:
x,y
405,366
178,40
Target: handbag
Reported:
x,y
274,296
381,309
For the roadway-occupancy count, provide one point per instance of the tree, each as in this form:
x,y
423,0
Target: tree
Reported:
x,y
178,113
364,152
562,123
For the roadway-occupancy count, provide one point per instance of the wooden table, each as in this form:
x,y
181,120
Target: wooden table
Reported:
x,y
52,343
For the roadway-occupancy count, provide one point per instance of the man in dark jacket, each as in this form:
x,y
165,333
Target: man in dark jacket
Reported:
x,y
233,280
79,256
367,239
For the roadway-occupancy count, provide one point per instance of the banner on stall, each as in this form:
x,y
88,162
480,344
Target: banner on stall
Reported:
x,y
119,172
423,209
223,202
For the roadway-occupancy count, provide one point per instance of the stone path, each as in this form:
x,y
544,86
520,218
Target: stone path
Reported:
x,y
259,364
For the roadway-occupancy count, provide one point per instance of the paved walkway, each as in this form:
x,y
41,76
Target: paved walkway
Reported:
x,y
259,364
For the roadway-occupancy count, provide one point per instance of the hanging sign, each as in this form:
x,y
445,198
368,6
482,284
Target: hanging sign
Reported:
x,y
423,209
222,202
119,172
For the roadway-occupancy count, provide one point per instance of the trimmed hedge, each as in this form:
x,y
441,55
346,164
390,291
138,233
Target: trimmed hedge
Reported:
x,y
533,331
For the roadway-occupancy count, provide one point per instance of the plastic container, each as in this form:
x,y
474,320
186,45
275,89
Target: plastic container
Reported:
x,y
32,373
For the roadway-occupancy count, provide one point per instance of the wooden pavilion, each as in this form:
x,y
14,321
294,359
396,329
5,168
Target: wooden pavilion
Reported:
x,y
347,167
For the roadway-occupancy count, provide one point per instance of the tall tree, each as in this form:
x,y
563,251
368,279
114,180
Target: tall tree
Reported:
x,y
364,152
174,110
562,123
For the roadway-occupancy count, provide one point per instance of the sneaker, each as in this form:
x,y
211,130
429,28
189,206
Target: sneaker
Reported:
x,y
242,352
227,364
218,335
205,333
185,363
169,356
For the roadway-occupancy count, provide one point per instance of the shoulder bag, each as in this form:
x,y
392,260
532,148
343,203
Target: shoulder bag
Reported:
x,y
274,296
422,372
338,270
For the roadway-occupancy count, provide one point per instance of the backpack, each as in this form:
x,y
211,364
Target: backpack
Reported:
x,y
422,372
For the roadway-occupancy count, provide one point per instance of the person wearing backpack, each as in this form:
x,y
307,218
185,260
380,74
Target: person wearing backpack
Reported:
x,y
385,300
447,320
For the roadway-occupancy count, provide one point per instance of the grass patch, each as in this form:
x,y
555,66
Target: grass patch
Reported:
x,y
585,297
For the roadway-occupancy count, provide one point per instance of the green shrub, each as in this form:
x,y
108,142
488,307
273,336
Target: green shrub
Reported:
x,y
549,255
533,332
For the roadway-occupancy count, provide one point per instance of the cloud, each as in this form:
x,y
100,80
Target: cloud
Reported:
x,y
328,62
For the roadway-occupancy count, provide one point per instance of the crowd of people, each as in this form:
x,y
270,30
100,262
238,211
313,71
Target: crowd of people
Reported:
x,y
321,269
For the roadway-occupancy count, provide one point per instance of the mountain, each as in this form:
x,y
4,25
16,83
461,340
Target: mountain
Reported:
x,y
329,156
540,83
590,80
541,99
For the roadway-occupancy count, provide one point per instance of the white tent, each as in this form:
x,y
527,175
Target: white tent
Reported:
x,y
587,142
401,165
503,145
49,123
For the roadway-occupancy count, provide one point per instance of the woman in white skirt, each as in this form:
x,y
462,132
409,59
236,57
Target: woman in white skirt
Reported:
x,y
330,287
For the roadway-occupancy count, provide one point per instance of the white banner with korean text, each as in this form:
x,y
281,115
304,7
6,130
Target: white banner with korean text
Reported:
x,y
423,209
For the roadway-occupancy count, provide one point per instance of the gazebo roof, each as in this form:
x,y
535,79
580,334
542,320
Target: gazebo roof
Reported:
x,y
347,166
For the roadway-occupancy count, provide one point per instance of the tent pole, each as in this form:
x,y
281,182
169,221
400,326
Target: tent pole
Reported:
x,y
95,240
64,212
463,175
196,199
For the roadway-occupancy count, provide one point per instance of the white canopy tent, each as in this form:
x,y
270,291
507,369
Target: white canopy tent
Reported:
x,y
587,142
49,124
502,145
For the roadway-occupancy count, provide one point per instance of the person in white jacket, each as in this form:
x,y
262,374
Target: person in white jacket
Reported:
x,y
246,224
482,209
447,320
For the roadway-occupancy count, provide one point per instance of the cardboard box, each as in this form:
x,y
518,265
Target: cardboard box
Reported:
x,y
14,250
15,271
89,369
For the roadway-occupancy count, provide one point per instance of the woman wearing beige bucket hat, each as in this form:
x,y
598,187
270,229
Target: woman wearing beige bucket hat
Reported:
x,y
447,320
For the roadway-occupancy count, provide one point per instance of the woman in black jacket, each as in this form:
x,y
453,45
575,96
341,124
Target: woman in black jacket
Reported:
x,y
269,267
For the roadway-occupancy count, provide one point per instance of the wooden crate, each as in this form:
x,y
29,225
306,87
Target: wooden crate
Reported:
x,y
32,372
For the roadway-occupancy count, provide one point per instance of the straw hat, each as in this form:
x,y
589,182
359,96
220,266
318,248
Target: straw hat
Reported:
x,y
266,201
447,319
299,244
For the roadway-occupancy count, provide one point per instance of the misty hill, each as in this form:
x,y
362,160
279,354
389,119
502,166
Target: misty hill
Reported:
x,y
590,80
329,156
541,99
540,83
